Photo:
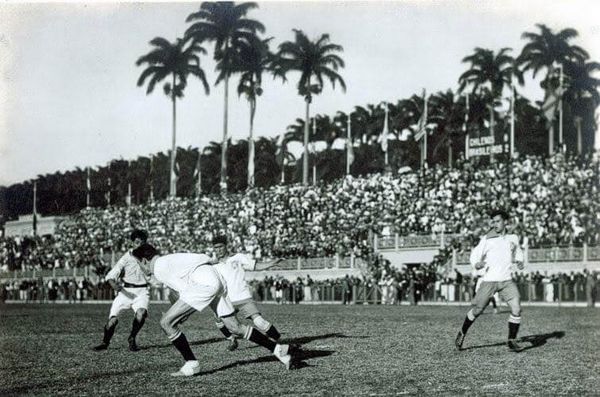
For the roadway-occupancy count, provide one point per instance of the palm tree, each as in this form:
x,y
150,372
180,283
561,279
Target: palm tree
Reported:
x,y
253,61
177,61
546,49
490,73
582,95
313,59
448,116
225,24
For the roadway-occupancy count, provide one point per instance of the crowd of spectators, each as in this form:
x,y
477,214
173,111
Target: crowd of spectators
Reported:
x,y
555,201
390,287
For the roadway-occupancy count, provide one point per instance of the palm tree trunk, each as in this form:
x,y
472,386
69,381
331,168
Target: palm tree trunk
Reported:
x,y
172,178
251,145
223,185
305,159
450,153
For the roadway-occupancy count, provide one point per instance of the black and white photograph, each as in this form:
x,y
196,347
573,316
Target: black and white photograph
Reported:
x,y
300,198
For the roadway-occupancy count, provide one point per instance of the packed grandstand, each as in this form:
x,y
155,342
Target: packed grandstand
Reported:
x,y
554,202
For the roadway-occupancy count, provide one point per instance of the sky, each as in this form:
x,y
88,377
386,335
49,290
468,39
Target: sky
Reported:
x,y
68,93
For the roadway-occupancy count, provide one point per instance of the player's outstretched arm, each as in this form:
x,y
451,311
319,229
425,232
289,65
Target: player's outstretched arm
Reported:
x,y
264,265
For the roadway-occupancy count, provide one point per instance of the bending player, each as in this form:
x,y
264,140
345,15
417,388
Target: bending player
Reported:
x,y
132,293
232,269
198,285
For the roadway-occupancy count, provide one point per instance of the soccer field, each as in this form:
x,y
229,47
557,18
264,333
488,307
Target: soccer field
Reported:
x,y
46,349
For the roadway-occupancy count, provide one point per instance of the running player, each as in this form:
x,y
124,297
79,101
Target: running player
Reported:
x,y
198,285
132,293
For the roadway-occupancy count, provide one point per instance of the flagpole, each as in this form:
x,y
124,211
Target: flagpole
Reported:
x,y
88,186
199,169
383,138
424,153
109,187
466,129
312,149
386,132
512,117
348,144
128,184
560,109
34,225
151,178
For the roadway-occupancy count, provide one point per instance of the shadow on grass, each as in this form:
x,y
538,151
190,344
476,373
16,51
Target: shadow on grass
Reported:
x,y
298,360
533,340
196,343
306,339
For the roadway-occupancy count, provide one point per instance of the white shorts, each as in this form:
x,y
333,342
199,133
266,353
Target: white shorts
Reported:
x,y
239,293
122,302
205,286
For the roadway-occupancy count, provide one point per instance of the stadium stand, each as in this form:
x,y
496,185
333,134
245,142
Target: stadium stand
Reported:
x,y
555,203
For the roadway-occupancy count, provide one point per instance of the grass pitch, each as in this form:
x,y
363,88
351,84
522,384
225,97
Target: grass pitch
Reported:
x,y
346,350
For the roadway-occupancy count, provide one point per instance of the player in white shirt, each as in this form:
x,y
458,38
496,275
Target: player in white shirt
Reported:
x,y
198,285
495,255
233,270
131,286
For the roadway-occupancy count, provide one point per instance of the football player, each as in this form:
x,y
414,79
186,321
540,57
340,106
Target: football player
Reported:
x,y
495,254
131,286
198,285
232,269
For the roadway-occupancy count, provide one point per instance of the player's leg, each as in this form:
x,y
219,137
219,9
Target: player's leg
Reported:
x,y
224,309
233,344
169,322
140,309
249,310
480,301
121,302
494,303
510,294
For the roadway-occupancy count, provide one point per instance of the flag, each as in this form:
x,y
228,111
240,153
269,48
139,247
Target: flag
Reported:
x,y
349,147
464,127
551,98
385,131
512,115
128,199
34,225
198,174
88,183
423,120
251,162
281,149
151,178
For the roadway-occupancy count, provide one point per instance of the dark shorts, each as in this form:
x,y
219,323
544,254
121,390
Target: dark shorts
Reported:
x,y
507,290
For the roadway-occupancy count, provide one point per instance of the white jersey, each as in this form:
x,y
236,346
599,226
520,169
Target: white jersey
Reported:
x,y
174,270
128,269
500,252
233,272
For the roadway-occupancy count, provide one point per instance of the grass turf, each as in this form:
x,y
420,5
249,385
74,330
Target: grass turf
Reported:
x,y
46,349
